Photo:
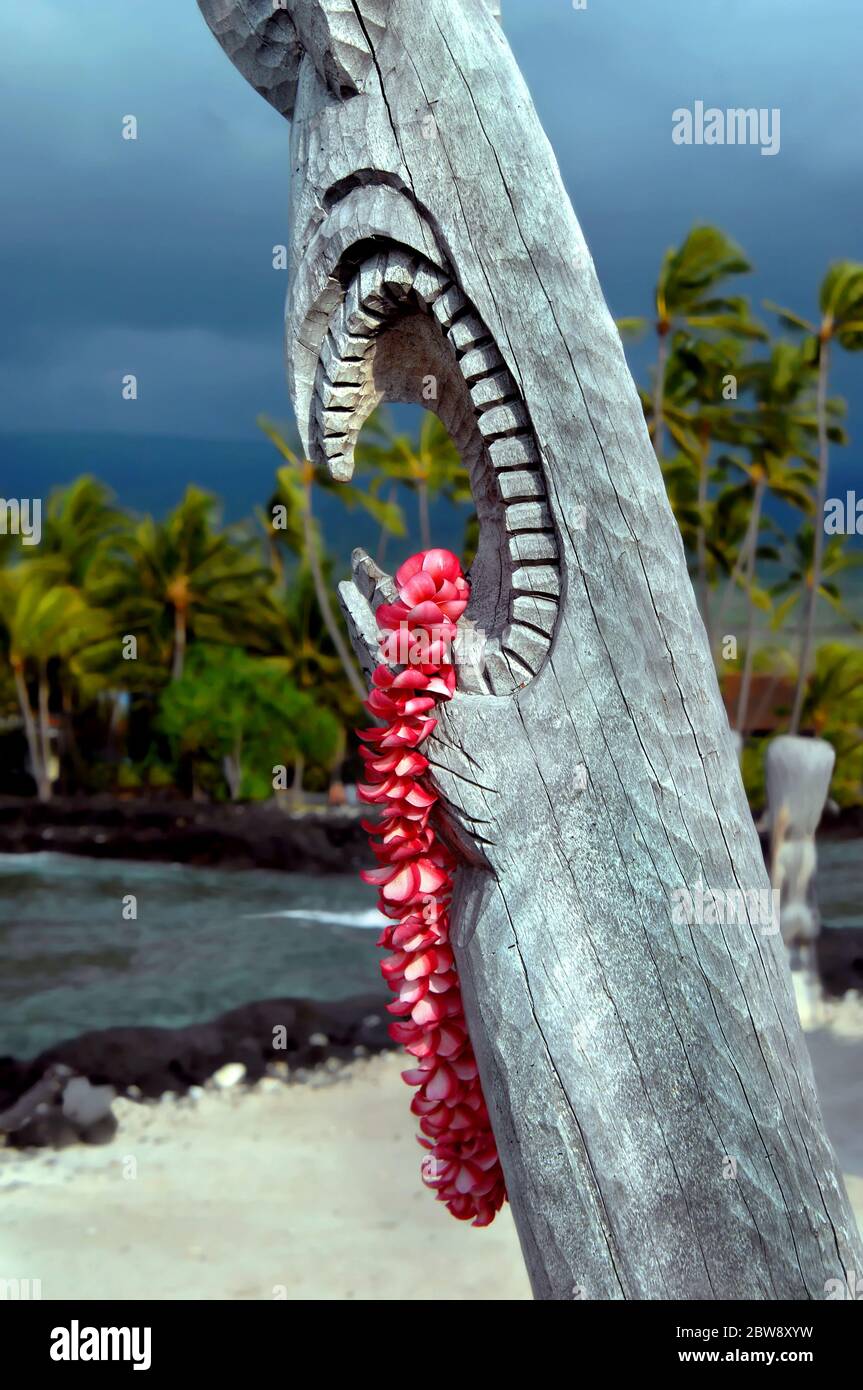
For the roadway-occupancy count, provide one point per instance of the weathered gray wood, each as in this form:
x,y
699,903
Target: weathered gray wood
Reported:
x,y
449,306
492,390
520,483
537,612
518,452
527,516
540,579
647,1079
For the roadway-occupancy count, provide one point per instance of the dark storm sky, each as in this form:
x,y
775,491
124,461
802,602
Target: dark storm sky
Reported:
x,y
154,256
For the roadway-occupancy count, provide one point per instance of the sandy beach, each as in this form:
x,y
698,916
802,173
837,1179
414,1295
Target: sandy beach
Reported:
x,y
298,1192
291,1191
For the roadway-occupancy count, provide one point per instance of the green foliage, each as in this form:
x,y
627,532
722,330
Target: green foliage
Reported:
x,y
182,579
799,576
689,277
43,617
430,467
236,712
294,482
840,299
834,709
753,772
748,428
242,661
69,608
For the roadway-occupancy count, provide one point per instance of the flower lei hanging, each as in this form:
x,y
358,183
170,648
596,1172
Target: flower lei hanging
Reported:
x,y
415,881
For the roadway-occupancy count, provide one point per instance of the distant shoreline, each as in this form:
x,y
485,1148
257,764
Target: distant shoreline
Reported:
x,y
242,835
312,1033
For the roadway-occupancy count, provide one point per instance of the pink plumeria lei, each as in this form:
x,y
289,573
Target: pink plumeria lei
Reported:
x,y
415,880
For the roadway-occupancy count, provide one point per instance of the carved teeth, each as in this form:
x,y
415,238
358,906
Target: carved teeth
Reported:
x,y
537,579
359,319
535,611
351,340
352,348
528,516
369,286
471,680
519,451
374,584
498,673
503,420
520,672
333,446
529,646
532,547
467,332
400,273
490,414
479,362
449,306
520,484
340,468
338,370
429,284
492,390
338,395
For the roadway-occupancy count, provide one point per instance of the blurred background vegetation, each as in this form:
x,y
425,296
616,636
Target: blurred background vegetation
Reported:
x,y
146,656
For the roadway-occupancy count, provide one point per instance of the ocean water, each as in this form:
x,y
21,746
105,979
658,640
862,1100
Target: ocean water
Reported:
x,y
207,939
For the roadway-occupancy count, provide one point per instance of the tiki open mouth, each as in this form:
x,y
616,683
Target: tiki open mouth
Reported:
x,y
404,331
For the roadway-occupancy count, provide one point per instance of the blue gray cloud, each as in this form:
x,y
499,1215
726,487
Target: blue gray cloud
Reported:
x,y
154,256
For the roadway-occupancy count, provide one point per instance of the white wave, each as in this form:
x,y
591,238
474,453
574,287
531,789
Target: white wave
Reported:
x,y
368,919
43,859
32,858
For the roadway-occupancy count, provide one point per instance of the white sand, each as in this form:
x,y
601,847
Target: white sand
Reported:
x,y
303,1192
298,1192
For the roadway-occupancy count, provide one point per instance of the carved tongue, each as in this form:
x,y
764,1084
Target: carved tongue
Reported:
x,y
361,599
374,584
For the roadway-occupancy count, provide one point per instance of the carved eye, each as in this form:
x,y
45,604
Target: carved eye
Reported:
x,y
403,326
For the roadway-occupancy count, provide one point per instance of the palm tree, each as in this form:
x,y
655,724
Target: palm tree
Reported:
x,y
303,652
80,522
696,415
81,527
298,528
841,305
834,709
803,573
687,297
430,467
834,698
42,618
775,434
183,577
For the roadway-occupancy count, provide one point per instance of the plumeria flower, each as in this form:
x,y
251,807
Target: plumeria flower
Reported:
x,y
414,879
